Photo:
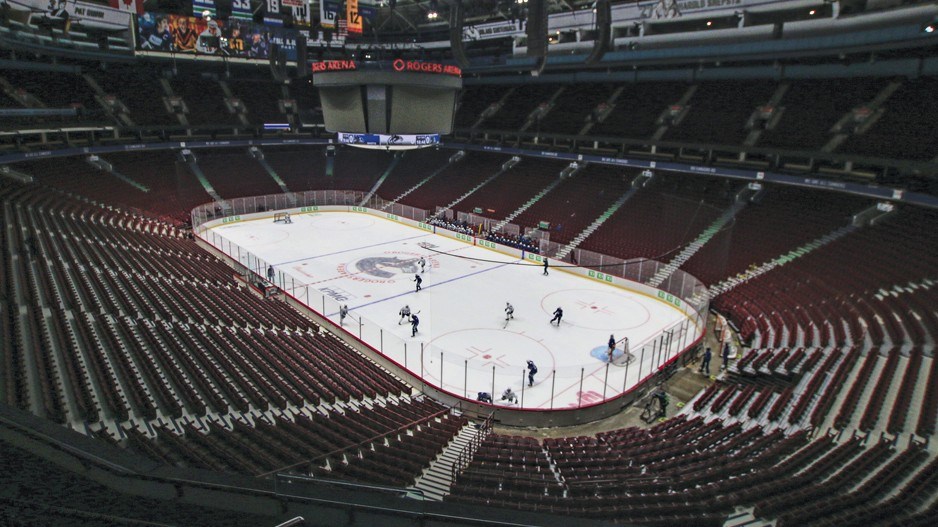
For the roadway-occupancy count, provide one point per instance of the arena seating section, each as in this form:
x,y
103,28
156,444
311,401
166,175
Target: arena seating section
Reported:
x,y
120,326
39,494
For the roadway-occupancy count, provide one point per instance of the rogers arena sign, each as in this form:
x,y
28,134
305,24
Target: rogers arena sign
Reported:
x,y
334,65
426,67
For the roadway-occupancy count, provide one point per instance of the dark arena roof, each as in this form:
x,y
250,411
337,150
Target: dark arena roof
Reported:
x,y
765,168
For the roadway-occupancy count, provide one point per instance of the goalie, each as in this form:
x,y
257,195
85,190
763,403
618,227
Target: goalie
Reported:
x,y
282,217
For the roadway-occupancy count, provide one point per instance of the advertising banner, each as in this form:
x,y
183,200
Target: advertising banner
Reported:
x,y
389,140
131,6
72,13
232,38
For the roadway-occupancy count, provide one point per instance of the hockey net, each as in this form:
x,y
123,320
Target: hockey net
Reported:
x,y
622,355
282,217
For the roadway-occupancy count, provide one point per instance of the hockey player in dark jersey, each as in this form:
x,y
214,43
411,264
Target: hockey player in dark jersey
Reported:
x,y
558,314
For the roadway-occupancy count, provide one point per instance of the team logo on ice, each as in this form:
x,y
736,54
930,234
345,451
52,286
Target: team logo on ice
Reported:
x,y
379,269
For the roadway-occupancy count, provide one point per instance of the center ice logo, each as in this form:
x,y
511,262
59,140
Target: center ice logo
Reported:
x,y
378,266
381,268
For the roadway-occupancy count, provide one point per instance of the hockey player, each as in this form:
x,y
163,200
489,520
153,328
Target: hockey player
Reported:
x,y
612,347
509,396
343,312
509,311
405,314
414,322
558,314
422,263
545,266
286,218
532,369
418,280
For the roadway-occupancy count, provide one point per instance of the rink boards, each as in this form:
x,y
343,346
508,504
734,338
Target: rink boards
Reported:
x,y
366,259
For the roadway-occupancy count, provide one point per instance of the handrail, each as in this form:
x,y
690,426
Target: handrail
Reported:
x,y
357,445
109,518
351,484
240,489
464,457
68,448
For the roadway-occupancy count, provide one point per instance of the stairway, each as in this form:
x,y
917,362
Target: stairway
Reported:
x,y
104,166
8,172
575,242
114,107
508,165
757,126
257,154
542,110
746,518
209,189
664,123
436,480
528,204
694,246
849,125
493,108
453,159
734,281
394,161
168,91
596,117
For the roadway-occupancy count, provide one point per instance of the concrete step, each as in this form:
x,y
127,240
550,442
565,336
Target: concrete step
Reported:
x,y
436,479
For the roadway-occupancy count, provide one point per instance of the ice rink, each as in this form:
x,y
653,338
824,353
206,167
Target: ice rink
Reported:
x,y
463,340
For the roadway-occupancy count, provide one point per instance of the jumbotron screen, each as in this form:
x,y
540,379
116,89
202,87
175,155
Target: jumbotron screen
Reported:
x,y
399,98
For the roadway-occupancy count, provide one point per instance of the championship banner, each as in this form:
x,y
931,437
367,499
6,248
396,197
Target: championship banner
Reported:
x,y
77,14
353,17
328,13
302,13
241,9
131,6
199,8
272,16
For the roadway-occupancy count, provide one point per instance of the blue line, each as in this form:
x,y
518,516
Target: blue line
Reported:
x,y
350,250
428,287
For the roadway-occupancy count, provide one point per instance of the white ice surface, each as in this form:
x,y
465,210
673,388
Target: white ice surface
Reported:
x,y
369,263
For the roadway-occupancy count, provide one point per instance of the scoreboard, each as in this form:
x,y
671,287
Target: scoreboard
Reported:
x,y
402,99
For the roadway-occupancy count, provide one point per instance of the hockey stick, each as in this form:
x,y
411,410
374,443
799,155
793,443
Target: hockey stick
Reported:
x,y
506,323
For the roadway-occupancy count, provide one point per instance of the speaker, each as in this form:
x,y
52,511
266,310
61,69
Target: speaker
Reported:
x,y
272,58
282,61
456,20
603,32
302,53
537,34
